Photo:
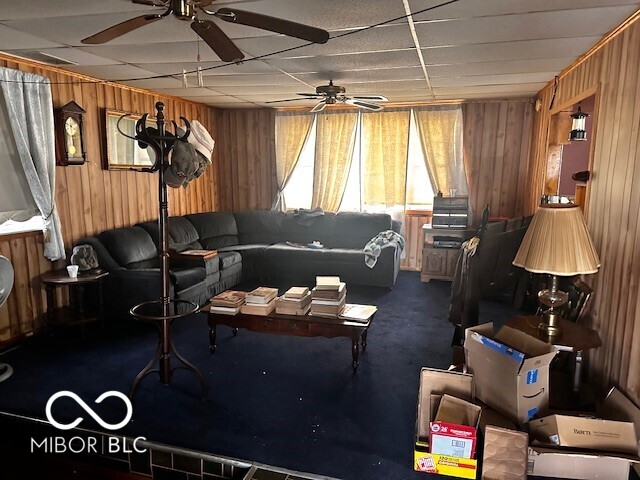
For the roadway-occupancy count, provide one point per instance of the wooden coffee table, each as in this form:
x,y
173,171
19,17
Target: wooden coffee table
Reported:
x,y
300,325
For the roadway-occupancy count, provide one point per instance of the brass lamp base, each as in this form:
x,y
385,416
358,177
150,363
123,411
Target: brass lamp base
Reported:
x,y
550,326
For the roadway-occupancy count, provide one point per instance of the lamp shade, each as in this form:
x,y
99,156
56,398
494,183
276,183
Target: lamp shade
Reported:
x,y
557,242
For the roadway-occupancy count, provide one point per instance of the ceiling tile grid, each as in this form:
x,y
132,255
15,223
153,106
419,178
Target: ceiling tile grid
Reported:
x,y
470,49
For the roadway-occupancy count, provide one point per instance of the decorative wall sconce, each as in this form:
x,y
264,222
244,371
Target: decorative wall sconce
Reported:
x,y
578,131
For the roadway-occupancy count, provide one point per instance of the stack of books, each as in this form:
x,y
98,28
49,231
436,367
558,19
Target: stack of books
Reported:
x,y
228,302
295,301
357,313
328,297
261,301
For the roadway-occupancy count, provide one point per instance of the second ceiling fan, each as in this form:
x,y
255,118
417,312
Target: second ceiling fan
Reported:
x,y
332,94
195,12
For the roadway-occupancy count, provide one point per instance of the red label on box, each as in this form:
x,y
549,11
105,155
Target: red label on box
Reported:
x,y
452,439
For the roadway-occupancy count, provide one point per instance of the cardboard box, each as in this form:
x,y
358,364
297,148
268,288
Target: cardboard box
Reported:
x,y
433,385
505,454
590,433
453,440
510,369
590,465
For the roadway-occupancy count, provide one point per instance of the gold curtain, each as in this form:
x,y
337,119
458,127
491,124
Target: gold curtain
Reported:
x,y
292,131
334,149
385,142
440,130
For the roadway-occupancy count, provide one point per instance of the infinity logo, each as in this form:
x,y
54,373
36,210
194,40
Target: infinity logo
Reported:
x,y
89,410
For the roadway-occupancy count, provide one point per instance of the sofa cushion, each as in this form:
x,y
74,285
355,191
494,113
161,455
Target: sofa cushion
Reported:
x,y
215,229
320,229
151,263
354,229
186,277
128,245
259,226
228,259
182,232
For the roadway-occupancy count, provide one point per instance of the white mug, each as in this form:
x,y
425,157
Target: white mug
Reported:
x,y
72,270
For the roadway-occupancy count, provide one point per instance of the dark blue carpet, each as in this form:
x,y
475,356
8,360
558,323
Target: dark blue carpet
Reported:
x,y
281,400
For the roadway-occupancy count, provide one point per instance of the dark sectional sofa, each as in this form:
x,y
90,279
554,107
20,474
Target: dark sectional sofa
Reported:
x,y
250,245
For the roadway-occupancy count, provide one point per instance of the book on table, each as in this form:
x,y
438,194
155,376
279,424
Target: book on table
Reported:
x,y
327,283
328,307
258,309
229,298
261,295
205,254
293,311
358,313
296,292
330,294
225,310
295,303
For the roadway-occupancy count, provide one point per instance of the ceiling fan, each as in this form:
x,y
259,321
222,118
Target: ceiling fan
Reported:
x,y
332,94
195,11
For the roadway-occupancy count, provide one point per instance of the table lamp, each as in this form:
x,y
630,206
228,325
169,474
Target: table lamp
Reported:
x,y
557,243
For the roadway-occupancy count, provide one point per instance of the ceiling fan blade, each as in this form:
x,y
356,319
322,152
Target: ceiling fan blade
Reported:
x,y
310,95
319,107
287,100
273,24
121,28
368,106
378,98
153,3
217,40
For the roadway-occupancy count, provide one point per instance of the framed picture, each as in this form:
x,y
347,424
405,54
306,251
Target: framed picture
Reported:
x,y
124,153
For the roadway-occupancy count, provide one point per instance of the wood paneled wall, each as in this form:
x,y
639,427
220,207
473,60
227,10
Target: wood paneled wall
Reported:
x,y
413,222
613,211
497,139
89,198
246,159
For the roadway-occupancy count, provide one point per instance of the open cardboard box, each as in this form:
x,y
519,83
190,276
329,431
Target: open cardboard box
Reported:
x,y
547,461
433,385
511,370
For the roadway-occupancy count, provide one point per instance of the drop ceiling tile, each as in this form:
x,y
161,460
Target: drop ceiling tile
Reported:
x,y
381,88
251,80
77,56
522,50
10,10
239,90
210,68
111,72
354,76
329,14
505,67
485,96
389,37
523,88
173,52
157,83
191,92
357,61
12,39
504,7
472,80
531,26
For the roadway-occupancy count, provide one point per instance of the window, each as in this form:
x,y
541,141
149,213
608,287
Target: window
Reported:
x,y
18,210
418,186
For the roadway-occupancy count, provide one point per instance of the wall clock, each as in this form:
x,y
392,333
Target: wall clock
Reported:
x,y
69,135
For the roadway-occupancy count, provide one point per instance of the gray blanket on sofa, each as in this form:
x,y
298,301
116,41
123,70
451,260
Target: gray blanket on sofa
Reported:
x,y
374,246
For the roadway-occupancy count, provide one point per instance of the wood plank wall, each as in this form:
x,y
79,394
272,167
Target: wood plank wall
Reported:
x,y
246,158
497,139
613,213
413,221
89,198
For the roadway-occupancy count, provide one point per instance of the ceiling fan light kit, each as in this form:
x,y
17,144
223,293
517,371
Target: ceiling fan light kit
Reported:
x,y
194,11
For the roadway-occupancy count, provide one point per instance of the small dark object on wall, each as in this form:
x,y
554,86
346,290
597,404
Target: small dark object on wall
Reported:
x,y
582,176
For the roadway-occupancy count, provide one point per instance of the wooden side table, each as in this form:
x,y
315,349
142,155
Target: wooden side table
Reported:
x,y
75,313
440,263
574,338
